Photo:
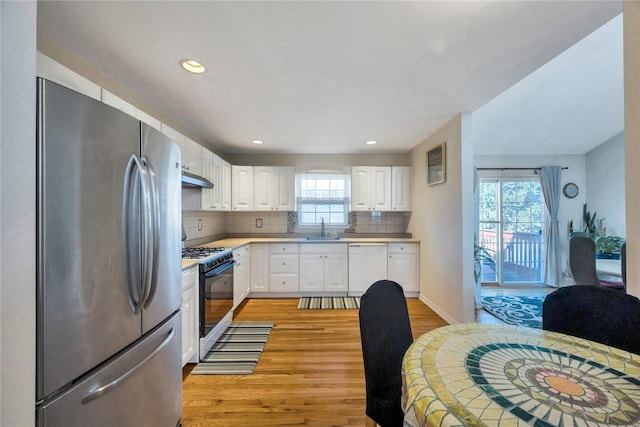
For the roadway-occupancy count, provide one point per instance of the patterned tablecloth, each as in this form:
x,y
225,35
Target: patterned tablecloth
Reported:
x,y
500,375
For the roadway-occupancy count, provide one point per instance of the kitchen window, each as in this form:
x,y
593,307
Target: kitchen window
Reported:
x,y
322,195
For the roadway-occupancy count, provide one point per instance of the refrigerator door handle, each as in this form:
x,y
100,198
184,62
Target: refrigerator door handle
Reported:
x,y
102,390
153,235
131,261
147,238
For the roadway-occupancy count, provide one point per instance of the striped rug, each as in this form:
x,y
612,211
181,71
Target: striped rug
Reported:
x,y
237,351
329,303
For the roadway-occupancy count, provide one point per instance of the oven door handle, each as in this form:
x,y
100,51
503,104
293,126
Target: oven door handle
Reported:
x,y
220,269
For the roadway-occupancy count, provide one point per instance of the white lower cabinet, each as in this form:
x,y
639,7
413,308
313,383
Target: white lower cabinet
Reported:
x,y
283,267
190,316
259,267
241,274
402,265
324,268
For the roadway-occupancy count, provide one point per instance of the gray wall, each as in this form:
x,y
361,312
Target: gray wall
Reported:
x,y
605,184
17,213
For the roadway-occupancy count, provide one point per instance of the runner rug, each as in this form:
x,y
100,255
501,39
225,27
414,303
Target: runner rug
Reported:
x,y
329,303
237,351
515,310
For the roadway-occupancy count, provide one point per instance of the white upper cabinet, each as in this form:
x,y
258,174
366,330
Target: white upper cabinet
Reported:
x,y
263,188
401,179
191,150
218,172
274,188
192,156
284,188
371,188
242,188
225,186
51,70
381,188
208,195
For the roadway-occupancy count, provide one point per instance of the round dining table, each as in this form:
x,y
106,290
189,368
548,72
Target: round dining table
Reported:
x,y
474,374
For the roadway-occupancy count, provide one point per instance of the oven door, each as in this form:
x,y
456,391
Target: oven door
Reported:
x,y
216,296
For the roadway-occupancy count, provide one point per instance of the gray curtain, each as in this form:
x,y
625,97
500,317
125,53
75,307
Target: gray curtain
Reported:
x,y
550,183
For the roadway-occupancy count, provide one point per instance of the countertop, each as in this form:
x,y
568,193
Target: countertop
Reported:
x,y
235,242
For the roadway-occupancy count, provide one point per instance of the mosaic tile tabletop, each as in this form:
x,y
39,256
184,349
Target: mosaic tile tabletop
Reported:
x,y
501,375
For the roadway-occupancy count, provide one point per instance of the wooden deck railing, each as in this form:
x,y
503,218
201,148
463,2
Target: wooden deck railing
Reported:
x,y
522,253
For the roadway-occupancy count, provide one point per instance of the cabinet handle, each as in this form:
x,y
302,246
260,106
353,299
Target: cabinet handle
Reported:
x,y
284,263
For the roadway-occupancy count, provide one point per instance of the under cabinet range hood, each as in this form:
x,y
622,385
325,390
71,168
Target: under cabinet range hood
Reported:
x,y
195,181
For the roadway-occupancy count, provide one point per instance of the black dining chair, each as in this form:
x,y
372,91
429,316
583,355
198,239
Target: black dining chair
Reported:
x,y
582,261
594,313
385,332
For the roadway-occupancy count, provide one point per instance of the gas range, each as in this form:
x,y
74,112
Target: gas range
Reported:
x,y
200,253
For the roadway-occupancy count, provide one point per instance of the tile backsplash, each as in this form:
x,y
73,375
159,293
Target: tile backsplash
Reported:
x,y
202,224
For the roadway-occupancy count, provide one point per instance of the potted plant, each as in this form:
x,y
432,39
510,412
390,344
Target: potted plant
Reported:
x,y
588,223
609,247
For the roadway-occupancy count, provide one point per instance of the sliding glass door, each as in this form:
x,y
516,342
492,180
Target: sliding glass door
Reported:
x,y
512,218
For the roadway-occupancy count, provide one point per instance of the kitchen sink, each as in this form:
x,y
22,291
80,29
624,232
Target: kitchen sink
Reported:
x,y
322,238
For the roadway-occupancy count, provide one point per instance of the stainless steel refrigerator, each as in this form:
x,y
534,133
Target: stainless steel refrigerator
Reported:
x,y
108,297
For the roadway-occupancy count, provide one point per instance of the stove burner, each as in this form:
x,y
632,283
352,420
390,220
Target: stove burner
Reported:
x,y
199,253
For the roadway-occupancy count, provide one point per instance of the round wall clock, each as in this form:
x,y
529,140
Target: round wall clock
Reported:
x,y
570,190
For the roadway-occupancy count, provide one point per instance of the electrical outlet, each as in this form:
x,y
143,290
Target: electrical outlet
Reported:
x,y
258,222
199,224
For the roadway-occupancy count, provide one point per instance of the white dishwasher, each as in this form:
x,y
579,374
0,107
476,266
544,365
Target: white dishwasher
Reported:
x,y
367,265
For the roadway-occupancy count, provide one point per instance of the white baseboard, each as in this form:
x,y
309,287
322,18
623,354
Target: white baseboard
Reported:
x,y
450,320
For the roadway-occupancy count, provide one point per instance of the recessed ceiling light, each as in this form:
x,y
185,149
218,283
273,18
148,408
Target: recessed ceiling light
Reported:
x,y
192,66
371,142
257,141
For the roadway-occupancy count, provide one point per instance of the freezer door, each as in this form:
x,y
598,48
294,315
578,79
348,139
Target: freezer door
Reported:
x,y
163,158
140,387
83,311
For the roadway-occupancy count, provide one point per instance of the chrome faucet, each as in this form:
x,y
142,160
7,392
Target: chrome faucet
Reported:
x,y
322,233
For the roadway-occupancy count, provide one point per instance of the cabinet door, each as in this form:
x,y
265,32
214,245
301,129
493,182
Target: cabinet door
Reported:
x,y
381,188
283,263
259,267
217,183
336,272
361,188
207,195
239,279
225,186
192,156
284,188
283,282
263,188
402,268
189,325
242,188
311,272
401,180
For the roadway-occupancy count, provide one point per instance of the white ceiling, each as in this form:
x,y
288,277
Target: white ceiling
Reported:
x,y
324,77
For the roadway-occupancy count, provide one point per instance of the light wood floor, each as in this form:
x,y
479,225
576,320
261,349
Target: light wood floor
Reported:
x,y
310,372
